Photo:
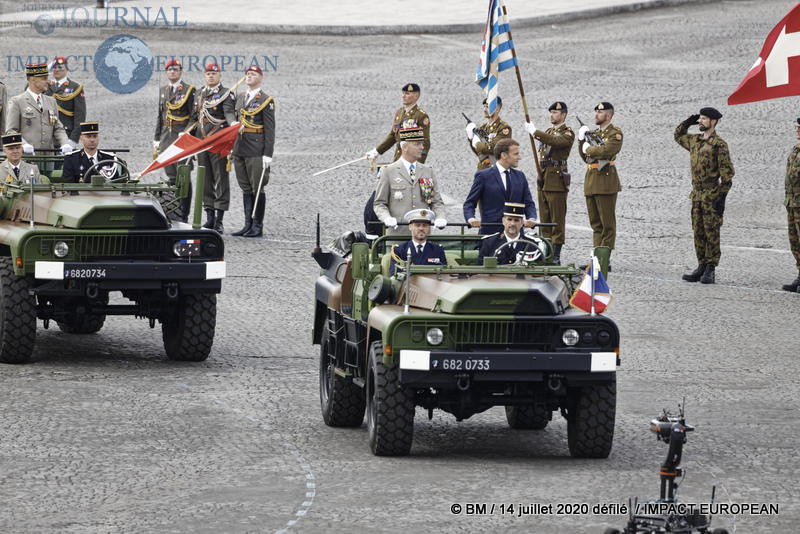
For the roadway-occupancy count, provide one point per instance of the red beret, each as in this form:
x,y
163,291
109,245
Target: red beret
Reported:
x,y
60,60
174,62
212,67
253,68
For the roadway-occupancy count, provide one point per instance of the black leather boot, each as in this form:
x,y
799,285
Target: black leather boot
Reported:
x,y
247,201
793,286
218,222
211,220
557,254
708,276
257,228
695,275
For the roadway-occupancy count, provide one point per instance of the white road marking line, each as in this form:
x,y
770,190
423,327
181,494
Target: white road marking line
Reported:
x,y
759,249
679,281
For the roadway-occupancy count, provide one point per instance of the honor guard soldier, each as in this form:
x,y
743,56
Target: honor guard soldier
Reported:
x,y
601,183
77,163
494,129
13,170
252,153
407,184
422,252
175,109
712,177
35,115
215,110
555,144
70,99
3,104
792,203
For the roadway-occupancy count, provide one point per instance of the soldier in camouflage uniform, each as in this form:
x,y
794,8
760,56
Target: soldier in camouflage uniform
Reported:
x,y
712,177
555,144
70,99
495,129
601,183
792,203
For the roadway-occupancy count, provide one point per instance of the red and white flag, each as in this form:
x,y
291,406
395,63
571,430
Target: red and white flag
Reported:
x,y
188,145
776,72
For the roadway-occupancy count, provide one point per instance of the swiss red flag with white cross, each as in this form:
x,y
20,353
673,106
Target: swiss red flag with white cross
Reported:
x,y
776,72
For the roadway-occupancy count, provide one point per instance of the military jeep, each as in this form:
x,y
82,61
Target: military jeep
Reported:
x,y
462,338
64,247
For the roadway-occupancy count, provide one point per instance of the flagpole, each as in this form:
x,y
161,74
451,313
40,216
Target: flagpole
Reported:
x,y
592,274
524,103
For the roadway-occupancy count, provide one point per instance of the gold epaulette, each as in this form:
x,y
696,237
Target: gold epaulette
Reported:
x,y
68,97
259,109
182,101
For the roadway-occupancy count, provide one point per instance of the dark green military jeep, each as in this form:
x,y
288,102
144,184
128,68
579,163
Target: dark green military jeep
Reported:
x,y
462,338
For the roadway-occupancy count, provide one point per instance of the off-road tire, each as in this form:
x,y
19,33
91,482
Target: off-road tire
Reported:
x,y
590,425
87,323
171,205
342,402
528,417
390,408
188,332
17,316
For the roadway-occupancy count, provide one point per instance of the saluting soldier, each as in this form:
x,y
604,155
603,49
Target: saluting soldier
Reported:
x,y
175,110
215,110
712,177
792,203
495,129
70,99
252,153
601,183
35,115
78,162
13,170
555,144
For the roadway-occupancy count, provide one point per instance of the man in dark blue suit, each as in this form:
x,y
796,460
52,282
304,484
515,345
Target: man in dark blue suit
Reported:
x,y
78,162
495,186
422,252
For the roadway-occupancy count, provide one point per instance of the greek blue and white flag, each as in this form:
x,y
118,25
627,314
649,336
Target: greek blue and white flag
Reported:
x,y
497,52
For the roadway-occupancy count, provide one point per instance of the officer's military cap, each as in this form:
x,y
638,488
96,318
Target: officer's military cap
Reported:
x,y
499,101
90,127
421,215
212,67
798,123
253,68
559,106
60,60
603,105
415,133
411,88
36,69
514,209
12,139
711,113
174,62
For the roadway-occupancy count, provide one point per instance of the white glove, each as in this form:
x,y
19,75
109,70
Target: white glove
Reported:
x,y
27,148
390,222
156,144
471,130
372,154
475,141
72,144
66,148
530,128
585,146
440,223
582,132
266,160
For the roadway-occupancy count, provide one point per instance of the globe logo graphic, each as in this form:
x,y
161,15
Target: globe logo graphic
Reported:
x,y
44,24
123,64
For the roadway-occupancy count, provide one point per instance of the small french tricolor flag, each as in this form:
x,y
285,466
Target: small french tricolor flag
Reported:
x,y
582,299
189,241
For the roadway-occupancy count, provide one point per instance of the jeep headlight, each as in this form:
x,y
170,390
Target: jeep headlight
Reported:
x,y
570,337
435,336
61,249
186,247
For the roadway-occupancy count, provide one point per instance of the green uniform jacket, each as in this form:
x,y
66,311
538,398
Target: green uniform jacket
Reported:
x,y
407,119
555,146
497,129
602,181
793,178
712,170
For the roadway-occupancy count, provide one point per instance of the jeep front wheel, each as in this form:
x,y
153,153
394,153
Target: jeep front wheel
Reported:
x,y
390,408
342,402
529,417
590,423
188,329
17,316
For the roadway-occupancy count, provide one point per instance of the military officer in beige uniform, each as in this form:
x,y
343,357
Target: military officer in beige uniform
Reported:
x,y
601,183
555,144
407,184
495,129
35,115
13,170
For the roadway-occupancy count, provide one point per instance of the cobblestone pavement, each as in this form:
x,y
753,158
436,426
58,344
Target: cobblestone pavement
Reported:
x,y
103,434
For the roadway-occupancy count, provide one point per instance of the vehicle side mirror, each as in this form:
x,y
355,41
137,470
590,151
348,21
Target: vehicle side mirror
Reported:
x,y
360,260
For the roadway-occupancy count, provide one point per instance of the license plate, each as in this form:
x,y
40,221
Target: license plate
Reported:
x,y
84,273
461,364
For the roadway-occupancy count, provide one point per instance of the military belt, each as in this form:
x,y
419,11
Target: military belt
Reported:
x,y
170,122
252,130
594,165
795,189
553,163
